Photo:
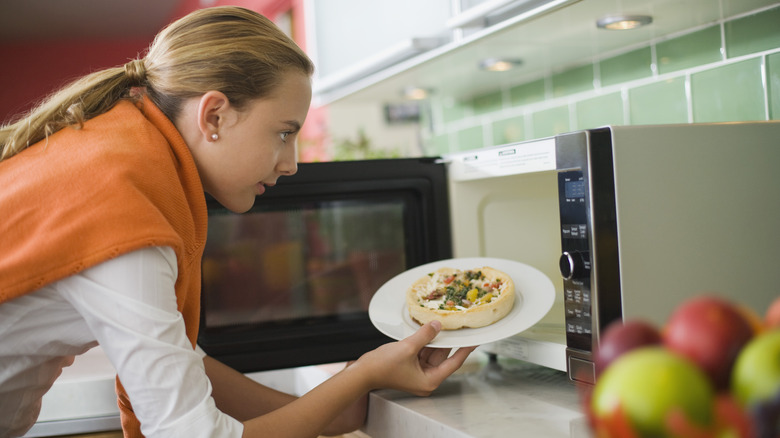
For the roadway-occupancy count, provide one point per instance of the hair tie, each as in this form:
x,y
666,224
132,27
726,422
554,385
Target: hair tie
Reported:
x,y
135,70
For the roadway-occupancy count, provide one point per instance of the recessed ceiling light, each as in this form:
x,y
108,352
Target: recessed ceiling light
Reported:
x,y
499,64
415,93
623,22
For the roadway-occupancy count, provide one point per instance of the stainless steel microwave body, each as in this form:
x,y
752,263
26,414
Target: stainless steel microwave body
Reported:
x,y
626,221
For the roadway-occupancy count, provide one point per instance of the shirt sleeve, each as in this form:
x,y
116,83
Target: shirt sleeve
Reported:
x,y
129,304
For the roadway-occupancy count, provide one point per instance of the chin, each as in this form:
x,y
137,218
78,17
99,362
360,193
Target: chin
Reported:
x,y
237,205
241,208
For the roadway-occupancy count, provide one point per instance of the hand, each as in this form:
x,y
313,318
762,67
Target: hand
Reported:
x,y
408,365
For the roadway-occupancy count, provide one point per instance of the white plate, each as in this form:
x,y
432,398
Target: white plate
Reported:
x,y
534,296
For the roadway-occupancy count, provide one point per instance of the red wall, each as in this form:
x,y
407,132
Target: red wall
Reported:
x,y
33,69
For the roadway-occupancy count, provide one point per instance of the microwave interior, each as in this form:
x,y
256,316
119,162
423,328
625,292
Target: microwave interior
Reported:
x,y
289,282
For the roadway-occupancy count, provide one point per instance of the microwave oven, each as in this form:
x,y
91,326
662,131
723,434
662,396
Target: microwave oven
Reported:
x,y
288,283
627,222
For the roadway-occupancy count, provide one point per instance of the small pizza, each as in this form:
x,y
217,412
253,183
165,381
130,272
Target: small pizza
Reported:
x,y
461,298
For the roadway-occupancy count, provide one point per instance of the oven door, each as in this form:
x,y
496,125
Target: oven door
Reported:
x,y
288,283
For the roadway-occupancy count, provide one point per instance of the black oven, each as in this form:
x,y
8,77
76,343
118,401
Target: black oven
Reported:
x,y
288,283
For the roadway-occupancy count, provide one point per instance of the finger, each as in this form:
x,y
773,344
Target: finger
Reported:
x,y
424,335
451,364
437,356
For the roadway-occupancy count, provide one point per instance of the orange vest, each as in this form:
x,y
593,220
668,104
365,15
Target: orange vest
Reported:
x,y
124,181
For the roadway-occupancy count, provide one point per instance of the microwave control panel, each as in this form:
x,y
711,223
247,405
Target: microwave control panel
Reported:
x,y
575,260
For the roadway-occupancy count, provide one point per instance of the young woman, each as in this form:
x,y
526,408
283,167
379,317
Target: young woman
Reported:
x,y
104,223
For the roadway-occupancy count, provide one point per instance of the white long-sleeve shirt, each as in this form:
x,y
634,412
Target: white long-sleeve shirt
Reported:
x,y
127,305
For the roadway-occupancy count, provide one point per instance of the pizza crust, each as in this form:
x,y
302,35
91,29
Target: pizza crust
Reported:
x,y
427,300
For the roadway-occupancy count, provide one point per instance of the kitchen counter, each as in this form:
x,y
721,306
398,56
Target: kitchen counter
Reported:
x,y
484,399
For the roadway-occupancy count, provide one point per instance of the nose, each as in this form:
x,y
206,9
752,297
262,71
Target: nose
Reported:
x,y
288,162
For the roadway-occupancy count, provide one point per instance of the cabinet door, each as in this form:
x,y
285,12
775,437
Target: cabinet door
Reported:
x,y
344,34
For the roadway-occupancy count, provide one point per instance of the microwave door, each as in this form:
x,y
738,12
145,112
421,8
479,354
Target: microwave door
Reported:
x,y
289,282
504,204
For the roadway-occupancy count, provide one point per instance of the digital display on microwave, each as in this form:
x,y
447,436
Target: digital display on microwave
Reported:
x,y
574,189
303,261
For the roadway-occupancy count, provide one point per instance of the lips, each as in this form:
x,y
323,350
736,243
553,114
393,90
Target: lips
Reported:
x,y
261,187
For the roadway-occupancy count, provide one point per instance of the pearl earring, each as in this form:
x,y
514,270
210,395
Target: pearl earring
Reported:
x,y
214,136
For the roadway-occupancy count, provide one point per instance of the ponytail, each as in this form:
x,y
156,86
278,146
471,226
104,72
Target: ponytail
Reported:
x,y
79,101
229,49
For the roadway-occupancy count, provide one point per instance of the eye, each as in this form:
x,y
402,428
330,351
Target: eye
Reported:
x,y
283,136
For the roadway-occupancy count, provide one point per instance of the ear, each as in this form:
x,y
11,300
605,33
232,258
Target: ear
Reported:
x,y
212,109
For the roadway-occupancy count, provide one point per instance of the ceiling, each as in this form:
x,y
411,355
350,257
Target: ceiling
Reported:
x,y
25,20
546,44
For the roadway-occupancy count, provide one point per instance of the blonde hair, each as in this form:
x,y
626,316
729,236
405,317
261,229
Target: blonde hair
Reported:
x,y
229,49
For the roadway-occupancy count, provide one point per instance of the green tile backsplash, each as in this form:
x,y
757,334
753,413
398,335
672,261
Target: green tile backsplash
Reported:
x,y
773,75
551,121
487,103
509,131
697,48
454,110
627,67
527,93
754,33
600,111
439,145
470,138
733,92
671,80
659,103
573,81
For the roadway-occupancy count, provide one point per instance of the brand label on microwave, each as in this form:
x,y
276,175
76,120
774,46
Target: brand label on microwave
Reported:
x,y
535,156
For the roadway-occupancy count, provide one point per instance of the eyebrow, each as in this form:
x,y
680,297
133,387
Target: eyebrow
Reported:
x,y
293,124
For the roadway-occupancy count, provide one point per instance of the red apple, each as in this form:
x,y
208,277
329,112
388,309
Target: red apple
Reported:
x,y
709,331
772,317
620,337
753,318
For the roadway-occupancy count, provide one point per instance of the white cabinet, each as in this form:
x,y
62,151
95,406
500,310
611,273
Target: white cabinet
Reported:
x,y
350,39
357,44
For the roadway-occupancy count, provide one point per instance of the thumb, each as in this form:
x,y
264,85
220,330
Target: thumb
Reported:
x,y
425,334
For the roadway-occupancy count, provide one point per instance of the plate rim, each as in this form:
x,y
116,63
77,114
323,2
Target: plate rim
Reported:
x,y
441,341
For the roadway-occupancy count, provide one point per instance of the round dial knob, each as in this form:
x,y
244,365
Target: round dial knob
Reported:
x,y
572,265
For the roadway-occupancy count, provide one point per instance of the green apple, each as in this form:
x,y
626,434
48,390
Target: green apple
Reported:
x,y
756,374
648,383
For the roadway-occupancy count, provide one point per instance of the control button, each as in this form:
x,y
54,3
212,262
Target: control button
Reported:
x,y
574,231
582,370
573,265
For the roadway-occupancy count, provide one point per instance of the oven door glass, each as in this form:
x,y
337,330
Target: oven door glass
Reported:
x,y
301,262
289,282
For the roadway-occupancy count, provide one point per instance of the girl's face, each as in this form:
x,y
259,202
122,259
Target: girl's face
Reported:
x,y
253,147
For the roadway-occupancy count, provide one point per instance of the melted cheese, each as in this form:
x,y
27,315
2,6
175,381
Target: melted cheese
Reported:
x,y
430,286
